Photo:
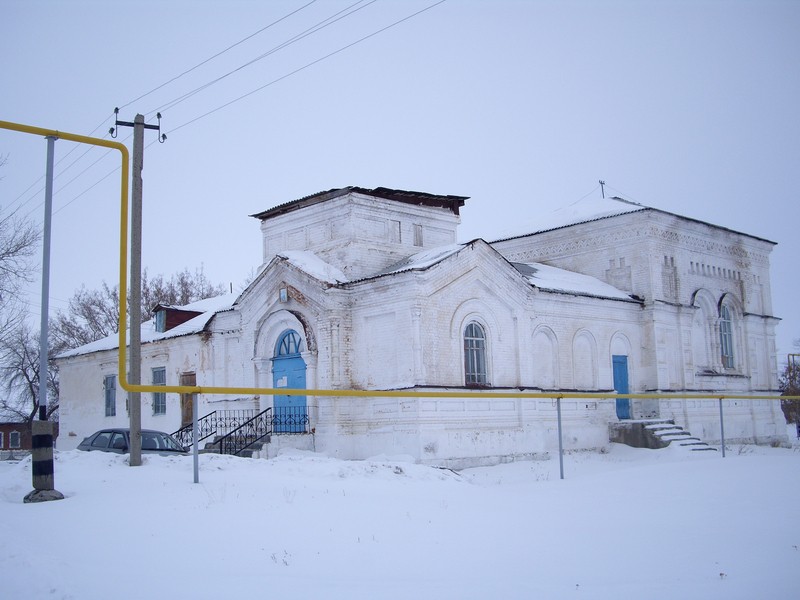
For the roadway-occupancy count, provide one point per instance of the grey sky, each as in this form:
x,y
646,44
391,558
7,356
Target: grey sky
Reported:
x,y
689,107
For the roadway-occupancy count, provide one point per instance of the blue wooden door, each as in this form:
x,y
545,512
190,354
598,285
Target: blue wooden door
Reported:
x,y
290,413
620,364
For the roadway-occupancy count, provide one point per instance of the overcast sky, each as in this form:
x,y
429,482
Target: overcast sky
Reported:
x,y
690,107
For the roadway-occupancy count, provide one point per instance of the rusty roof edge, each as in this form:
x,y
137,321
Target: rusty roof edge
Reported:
x,y
450,202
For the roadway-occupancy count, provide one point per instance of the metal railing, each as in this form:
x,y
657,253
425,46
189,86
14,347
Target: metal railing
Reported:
x,y
290,419
218,422
206,427
247,434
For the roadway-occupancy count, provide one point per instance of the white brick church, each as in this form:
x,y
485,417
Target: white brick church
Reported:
x,y
368,289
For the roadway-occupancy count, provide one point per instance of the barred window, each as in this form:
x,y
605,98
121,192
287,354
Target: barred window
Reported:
x,y
474,355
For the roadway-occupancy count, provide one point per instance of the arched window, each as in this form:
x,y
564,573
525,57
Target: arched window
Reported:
x,y
288,344
474,355
726,337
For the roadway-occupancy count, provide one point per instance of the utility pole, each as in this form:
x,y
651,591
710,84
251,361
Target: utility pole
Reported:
x,y
602,188
135,367
42,430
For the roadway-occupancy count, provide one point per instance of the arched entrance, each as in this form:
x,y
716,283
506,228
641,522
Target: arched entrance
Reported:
x,y
290,413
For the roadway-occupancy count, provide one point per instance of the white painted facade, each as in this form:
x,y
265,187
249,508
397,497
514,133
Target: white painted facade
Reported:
x,y
381,297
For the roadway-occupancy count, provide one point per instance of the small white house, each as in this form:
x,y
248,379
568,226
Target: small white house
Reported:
x,y
368,289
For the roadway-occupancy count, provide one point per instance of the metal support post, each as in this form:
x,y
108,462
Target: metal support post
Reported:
x,y
722,427
195,435
45,317
42,468
560,442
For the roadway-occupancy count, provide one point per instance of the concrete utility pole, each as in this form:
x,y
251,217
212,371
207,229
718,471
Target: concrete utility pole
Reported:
x,y
135,366
135,369
43,472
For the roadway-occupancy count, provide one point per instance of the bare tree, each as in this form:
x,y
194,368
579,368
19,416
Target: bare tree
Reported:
x,y
790,386
94,314
18,241
19,368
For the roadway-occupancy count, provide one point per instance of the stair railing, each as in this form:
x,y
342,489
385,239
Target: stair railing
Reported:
x,y
248,433
206,427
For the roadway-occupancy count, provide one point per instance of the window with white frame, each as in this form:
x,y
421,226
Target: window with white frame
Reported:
x,y
726,337
159,398
474,355
1,440
110,394
14,439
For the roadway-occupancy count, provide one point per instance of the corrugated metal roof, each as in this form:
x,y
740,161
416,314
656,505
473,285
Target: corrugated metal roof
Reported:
x,y
452,203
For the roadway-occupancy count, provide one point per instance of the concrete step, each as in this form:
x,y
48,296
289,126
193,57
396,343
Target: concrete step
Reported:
x,y
661,427
654,434
672,429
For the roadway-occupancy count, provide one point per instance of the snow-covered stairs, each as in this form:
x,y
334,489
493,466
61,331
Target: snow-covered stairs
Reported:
x,y
668,432
655,434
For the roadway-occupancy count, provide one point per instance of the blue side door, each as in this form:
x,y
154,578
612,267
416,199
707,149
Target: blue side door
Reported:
x,y
620,364
290,413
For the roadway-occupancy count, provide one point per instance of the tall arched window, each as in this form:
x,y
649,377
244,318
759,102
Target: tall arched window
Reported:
x,y
474,355
726,337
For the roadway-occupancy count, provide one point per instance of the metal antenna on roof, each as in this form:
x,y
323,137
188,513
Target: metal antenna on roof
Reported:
x,y
602,188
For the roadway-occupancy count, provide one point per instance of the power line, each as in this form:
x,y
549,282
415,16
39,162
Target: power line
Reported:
x,y
106,176
200,64
313,29
306,66
302,35
61,172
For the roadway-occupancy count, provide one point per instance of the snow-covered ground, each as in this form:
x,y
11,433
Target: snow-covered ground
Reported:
x,y
631,523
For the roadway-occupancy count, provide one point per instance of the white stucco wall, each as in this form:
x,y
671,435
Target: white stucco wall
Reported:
x,y
405,331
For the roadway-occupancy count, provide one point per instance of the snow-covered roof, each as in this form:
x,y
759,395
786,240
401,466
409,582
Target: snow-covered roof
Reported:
x,y
207,307
582,211
313,265
560,280
542,276
424,259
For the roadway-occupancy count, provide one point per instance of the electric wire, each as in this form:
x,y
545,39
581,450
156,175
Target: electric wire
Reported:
x,y
373,34
300,36
333,18
285,76
104,155
60,173
306,66
218,54
594,189
60,160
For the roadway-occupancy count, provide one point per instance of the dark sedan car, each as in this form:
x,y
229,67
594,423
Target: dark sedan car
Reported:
x,y
118,440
